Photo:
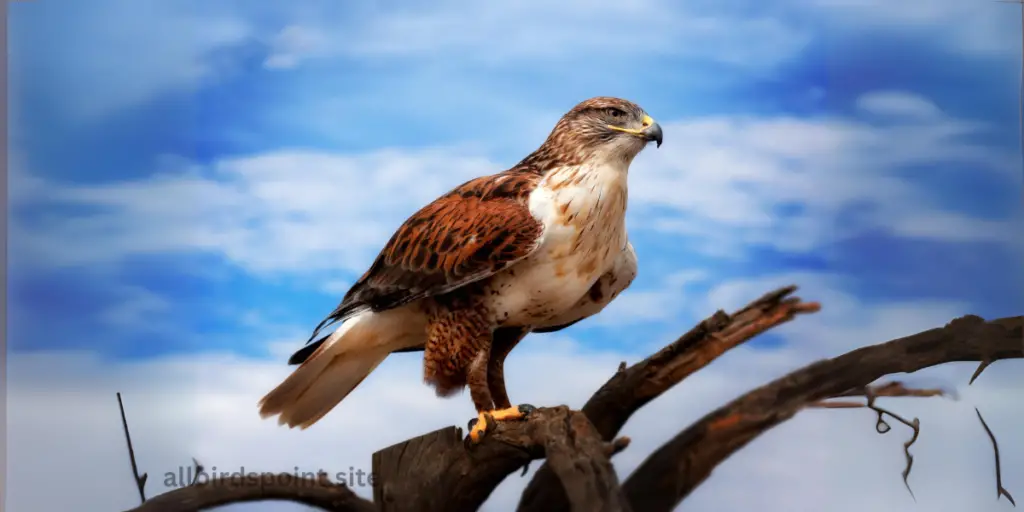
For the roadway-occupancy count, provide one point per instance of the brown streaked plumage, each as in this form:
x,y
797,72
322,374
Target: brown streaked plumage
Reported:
x,y
474,231
535,248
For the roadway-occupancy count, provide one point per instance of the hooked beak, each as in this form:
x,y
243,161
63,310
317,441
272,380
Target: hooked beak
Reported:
x,y
651,130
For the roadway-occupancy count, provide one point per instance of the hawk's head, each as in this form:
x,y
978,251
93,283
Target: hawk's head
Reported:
x,y
605,126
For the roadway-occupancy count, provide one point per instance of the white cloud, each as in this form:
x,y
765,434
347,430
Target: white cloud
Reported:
x,y
136,308
719,180
24,187
204,406
897,103
538,31
291,210
118,54
963,26
293,44
728,181
953,227
845,321
93,47
639,306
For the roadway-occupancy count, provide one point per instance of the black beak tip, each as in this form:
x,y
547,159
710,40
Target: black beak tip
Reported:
x,y
655,134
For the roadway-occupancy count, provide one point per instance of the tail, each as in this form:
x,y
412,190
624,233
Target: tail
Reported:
x,y
329,374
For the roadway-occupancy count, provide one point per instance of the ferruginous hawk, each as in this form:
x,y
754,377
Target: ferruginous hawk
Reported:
x,y
534,248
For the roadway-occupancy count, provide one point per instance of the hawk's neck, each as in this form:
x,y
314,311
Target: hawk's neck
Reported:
x,y
549,156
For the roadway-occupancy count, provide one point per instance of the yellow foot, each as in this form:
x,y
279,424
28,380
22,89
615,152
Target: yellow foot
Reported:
x,y
485,422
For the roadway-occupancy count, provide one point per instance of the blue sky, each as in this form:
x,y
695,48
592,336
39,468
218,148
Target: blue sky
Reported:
x,y
196,180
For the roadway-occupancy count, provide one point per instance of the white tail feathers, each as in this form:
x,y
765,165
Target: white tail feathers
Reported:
x,y
328,375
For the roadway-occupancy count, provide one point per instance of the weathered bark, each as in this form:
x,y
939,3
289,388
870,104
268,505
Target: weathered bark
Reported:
x,y
283,486
632,388
437,472
679,466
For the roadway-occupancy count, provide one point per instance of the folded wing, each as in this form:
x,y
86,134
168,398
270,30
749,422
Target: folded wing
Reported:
x,y
469,234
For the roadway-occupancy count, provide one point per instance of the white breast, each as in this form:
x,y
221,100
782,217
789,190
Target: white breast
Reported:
x,y
583,211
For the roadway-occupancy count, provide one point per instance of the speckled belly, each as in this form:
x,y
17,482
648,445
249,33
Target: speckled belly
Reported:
x,y
549,283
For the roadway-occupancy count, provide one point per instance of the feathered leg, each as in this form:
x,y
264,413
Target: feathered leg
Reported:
x,y
457,353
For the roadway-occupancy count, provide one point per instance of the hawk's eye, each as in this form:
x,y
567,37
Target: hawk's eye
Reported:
x,y
616,113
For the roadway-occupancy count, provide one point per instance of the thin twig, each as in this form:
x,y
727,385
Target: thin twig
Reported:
x,y
981,367
882,427
892,389
199,469
674,470
1000,490
140,481
611,406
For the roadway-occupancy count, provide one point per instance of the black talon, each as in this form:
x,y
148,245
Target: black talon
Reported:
x,y
526,409
468,441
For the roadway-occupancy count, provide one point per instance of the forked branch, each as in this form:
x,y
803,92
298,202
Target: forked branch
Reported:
x,y
680,465
633,387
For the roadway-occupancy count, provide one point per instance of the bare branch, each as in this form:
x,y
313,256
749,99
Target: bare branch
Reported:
x,y
140,481
199,470
575,452
315,492
632,388
890,390
616,446
977,373
437,472
679,466
883,428
1000,490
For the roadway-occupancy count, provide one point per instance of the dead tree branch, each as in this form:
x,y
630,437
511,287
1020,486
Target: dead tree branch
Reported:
x,y
889,390
680,465
1000,490
318,493
437,472
632,388
140,481
580,459
883,428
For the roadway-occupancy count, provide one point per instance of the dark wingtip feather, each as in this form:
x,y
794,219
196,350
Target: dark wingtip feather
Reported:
x,y
303,353
343,312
